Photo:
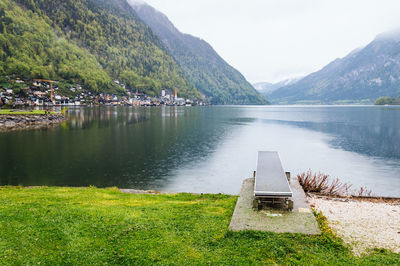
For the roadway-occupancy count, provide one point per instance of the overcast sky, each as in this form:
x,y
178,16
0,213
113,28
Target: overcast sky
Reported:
x,y
270,40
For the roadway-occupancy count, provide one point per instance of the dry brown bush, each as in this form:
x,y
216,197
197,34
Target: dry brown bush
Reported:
x,y
321,183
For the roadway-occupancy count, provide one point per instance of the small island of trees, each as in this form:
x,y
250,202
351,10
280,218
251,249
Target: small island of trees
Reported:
x,y
387,101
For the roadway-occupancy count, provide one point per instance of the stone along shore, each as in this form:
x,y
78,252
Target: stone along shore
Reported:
x,y
29,121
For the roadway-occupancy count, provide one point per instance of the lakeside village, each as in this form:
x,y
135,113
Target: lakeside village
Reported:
x,y
37,92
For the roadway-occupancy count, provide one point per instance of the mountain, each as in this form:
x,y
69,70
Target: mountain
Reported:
x,y
266,88
91,42
202,66
362,76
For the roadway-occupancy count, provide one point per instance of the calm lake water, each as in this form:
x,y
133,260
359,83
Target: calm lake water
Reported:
x,y
206,149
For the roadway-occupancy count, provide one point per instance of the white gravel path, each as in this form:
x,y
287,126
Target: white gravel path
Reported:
x,y
362,224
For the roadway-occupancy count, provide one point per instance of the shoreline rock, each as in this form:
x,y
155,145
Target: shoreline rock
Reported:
x,y
35,121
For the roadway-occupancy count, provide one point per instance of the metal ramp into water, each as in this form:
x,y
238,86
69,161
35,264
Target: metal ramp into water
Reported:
x,y
270,179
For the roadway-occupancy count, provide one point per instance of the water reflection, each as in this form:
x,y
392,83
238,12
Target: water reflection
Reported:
x,y
125,147
204,149
306,138
373,131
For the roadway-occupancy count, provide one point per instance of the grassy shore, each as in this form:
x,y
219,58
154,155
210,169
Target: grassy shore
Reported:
x,y
23,112
104,226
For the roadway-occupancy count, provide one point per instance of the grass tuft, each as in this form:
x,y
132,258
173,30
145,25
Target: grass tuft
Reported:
x,y
24,112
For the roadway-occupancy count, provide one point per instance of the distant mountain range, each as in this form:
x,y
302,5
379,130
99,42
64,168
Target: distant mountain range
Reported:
x,y
266,88
201,65
361,77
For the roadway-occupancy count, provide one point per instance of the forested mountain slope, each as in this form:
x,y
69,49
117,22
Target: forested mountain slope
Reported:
x,y
88,41
29,48
200,63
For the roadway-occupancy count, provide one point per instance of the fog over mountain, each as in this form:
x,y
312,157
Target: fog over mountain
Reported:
x,y
202,66
362,76
271,41
267,88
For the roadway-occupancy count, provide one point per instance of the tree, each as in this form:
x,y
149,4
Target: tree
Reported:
x,y
384,101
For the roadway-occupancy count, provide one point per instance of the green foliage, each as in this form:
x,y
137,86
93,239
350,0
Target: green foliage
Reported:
x,y
87,42
63,90
16,87
30,49
387,101
215,78
136,82
111,31
323,225
104,226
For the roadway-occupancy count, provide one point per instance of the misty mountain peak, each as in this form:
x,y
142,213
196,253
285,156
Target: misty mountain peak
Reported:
x,y
393,35
364,75
137,3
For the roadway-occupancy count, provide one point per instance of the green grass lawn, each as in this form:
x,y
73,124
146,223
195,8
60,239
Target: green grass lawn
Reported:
x,y
22,112
103,226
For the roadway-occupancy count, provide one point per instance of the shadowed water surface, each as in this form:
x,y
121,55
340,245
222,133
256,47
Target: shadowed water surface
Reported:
x,y
205,149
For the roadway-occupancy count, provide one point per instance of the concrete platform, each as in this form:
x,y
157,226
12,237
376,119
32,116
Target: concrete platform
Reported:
x,y
300,220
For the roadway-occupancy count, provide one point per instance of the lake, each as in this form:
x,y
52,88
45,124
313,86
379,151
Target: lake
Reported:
x,y
205,149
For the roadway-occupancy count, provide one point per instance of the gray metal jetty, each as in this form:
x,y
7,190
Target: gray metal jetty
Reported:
x,y
270,179
300,220
263,202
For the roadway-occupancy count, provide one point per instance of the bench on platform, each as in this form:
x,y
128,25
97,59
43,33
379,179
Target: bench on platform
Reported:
x,y
271,185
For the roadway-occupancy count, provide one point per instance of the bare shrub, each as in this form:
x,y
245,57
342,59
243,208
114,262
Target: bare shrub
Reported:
x,y
337,188
364,192
313,182
323,184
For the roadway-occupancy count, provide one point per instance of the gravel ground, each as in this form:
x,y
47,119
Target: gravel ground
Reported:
x,y
363,224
